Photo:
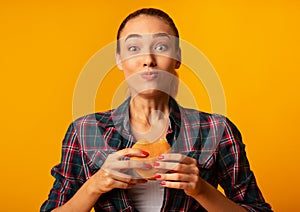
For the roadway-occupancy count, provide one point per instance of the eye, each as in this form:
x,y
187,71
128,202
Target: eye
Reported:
x,y
133,48
161,47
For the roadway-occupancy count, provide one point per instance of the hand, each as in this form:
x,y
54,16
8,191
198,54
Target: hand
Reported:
x,y
110,175
183,173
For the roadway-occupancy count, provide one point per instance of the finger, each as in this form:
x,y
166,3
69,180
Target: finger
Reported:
x,y
127,164
177,167
130,152
179,177
122,185
115,175
178,185
114,183
177,157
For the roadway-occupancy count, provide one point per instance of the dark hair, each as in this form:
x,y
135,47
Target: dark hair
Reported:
x,y
151,12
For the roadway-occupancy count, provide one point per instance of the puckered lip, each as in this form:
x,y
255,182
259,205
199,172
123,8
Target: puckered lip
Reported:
x,y
149,74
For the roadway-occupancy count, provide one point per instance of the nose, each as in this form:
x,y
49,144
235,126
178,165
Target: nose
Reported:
x,y
149,60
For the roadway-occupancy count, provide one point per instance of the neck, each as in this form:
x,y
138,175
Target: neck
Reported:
x,y
144,109
147,114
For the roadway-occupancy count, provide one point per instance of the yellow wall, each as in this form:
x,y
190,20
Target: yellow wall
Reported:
x,y
253,45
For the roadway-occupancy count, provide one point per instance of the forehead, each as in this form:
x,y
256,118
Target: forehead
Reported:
x,y
145,24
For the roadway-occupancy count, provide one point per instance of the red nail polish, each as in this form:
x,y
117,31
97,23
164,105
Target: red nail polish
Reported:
x,y
145,153
156,163
157,176
148,166
161,157
163,183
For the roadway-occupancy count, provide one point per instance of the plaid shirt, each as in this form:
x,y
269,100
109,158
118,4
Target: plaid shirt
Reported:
x,y
210,138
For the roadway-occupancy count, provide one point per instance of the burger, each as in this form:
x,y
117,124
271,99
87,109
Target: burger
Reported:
x,y
154,149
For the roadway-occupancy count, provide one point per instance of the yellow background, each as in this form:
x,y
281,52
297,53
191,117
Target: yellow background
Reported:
x,y
253,45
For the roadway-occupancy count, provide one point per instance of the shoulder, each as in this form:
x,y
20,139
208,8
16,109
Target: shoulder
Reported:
x,y
210,124
101,119
204,118
106,119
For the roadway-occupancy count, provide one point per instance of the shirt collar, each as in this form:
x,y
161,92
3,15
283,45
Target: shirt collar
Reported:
x,y
184,125
120,116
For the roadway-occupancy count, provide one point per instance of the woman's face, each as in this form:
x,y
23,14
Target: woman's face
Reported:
x,y
148,56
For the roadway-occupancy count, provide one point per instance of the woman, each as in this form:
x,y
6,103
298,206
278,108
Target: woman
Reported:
x,y
148,53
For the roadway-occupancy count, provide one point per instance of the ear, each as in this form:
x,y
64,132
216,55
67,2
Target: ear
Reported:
x,y
178,58
119,61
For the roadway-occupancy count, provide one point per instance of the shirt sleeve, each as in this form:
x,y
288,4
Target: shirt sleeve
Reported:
x,y
235,176
69,174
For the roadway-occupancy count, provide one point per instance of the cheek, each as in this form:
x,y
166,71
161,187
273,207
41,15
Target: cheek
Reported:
x,y
129,67
167,64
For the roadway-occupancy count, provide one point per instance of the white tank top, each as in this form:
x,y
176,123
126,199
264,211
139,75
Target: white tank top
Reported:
x,y
147,197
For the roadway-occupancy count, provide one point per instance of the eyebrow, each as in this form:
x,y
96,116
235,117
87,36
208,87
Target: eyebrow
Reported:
x,y
133,36
154,36
161,35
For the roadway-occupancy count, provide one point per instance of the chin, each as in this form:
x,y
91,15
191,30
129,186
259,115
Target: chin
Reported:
x,y
150,93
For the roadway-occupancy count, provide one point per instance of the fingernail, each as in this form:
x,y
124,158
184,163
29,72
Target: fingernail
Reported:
x,y
161,157
162,183
156,163
145,153
148,166
157,176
